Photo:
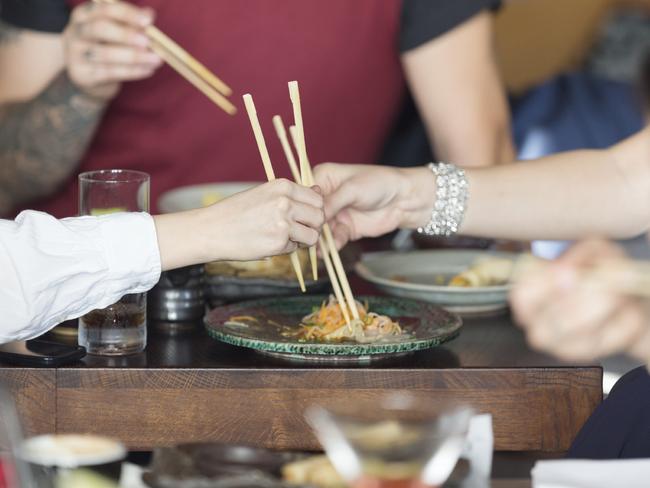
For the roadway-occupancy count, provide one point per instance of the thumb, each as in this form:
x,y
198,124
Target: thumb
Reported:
x,y
341,232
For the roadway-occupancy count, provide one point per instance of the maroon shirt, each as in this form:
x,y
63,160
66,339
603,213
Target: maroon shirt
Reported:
x,y
344,53
350,80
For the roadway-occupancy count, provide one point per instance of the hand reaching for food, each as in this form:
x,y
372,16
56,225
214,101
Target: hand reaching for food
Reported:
x,y
564,316
268,220
368,201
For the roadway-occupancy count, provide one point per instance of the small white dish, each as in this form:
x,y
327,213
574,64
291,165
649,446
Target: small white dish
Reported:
x,y
196,196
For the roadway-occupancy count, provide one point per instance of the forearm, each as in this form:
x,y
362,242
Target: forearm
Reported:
x,y
566,196
481,138
43,140
463,105
177,252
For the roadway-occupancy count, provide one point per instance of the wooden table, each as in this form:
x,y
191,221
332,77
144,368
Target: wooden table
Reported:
x,y
187,387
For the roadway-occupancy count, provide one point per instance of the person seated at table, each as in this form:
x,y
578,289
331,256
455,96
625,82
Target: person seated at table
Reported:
x,y
55,270
80,89
563,317
565,196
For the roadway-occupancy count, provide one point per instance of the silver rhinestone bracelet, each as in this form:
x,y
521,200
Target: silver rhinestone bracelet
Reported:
x,y
451,199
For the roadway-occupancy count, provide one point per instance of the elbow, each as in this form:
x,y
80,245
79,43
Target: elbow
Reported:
x,y
491,142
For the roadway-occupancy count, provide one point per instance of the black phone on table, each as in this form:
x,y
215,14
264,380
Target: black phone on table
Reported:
x,y
40,353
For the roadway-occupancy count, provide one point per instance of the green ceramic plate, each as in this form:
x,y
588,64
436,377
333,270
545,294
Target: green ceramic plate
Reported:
x,y
424,325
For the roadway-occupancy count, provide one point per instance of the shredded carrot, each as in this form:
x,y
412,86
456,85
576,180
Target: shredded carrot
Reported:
x,y
328,323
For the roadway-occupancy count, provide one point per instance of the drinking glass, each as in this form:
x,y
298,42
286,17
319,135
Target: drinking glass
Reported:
x,y
398,442
121,328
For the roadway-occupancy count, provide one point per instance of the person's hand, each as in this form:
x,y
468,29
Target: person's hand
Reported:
x,y
577,322
271,219
105,44
368,201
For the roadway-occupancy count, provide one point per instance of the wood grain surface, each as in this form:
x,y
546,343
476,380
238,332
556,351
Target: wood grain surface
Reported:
x,y
34,391
188,387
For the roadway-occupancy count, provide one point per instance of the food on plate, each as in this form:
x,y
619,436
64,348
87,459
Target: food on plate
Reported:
x,y
486,272
327,323
210,198
314,471
276,267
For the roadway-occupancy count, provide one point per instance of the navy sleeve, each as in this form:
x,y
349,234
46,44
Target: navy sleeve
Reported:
x,y
38,15
423,20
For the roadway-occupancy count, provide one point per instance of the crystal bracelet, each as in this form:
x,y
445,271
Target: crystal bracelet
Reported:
x,y
451,199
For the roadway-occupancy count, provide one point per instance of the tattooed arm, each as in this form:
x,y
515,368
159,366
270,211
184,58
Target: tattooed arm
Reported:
x,y
43,140
56,90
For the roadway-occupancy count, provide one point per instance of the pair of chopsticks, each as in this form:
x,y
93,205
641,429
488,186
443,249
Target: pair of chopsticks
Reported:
x,y
304,176
188,67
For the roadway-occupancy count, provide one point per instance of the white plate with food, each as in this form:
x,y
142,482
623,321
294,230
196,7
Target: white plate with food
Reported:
x,y
197,196
462,281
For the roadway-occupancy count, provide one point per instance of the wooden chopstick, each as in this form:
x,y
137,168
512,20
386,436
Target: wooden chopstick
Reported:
x,y
270,174
630,278
196,80
294,94
329,239
187,66
162,39
286,147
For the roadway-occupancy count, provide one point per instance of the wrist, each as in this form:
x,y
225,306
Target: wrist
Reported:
x,y
417,196
179,242
92,98
86,100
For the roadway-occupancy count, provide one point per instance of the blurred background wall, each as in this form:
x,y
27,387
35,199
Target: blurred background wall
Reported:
x,y
539,39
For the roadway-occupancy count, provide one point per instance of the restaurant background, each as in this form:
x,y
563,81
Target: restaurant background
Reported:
x,y
574,74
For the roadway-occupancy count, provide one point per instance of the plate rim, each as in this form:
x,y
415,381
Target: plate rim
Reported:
x,y
160,202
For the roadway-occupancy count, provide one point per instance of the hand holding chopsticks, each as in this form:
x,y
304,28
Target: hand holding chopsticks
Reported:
x,y
589,303
187,66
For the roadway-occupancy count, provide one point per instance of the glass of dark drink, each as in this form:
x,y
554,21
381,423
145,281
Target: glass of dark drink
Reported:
x,y
398,441
121,328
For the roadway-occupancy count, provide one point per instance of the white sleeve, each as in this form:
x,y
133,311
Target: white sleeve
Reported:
x,y
55,270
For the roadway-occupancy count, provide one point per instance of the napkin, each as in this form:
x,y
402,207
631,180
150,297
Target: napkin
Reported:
x,y
575,473
478,448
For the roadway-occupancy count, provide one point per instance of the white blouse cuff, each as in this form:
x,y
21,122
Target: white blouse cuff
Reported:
x,y
131,249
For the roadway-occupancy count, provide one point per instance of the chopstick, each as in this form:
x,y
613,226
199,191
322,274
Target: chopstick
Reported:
x,y
188,67
294,94
631,278
329,239
286,147
270,175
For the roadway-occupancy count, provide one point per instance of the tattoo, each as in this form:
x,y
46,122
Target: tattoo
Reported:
x,y
8,33
43,140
